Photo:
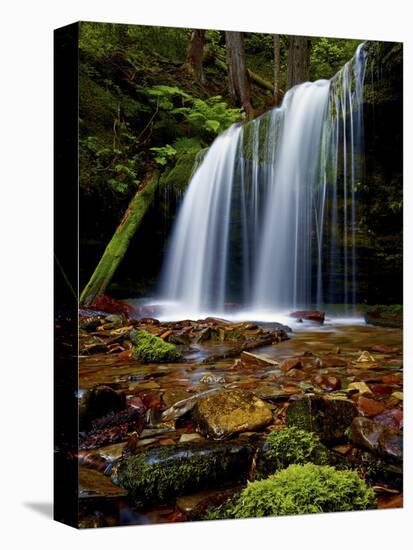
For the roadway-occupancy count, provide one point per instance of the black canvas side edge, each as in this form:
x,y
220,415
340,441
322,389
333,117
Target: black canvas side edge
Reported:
x,y
66,271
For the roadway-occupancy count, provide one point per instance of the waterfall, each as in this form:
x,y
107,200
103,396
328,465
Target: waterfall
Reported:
x,y
269,220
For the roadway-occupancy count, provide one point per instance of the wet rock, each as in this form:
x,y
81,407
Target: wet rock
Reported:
x,y
366,433
112,428
382,348
163,473
254,360
93,484
180,408
381,389
293,363
398,395
377,438
317,316
391,444
97,402
326,382
172,396
360,387
328,417
369,407
391,379
230,412
385,316
393,418
186,438
110,305
329,362
206,334
179,338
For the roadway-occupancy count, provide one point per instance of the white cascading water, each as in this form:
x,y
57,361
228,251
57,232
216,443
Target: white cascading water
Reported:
x,y
268,222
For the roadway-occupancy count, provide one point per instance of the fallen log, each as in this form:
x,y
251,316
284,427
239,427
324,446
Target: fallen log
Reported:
x,y
118,245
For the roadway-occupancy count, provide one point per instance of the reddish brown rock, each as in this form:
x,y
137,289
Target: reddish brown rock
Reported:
x,y
326,382
381,389
110,305
317,316
329,362
391,379
369,407
382,348
289,364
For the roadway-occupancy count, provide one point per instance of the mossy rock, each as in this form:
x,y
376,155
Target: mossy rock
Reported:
x,y
177,177
328,417
148,348
385,316
299,489
164,473
289,446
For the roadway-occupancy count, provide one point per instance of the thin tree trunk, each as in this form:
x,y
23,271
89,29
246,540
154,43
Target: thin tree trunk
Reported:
x,y
118,245
238,81
298,64
195,55
276,69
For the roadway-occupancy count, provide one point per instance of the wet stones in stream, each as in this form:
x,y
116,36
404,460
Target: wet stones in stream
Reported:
x,y
223,414
164,473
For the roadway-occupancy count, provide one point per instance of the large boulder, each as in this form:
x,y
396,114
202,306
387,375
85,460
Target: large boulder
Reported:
x,y
164,473
328,417
230,412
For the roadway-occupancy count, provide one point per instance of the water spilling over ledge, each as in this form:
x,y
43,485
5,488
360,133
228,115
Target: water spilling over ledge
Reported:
x,y
269,220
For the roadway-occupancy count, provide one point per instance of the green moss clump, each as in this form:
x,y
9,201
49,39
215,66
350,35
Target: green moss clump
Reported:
x,y
289,446
152,349
297,490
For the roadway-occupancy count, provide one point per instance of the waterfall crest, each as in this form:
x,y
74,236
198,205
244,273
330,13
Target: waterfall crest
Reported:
x,y
269,220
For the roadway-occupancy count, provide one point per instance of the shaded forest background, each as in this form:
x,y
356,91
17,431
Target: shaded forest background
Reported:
x,y
155,97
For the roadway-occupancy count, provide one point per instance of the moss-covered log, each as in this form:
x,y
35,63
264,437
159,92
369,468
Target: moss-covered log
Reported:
x,y
118,245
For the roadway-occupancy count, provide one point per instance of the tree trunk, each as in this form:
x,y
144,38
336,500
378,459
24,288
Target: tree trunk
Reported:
x,y
195,55
118,245
276,69
298,64
239,84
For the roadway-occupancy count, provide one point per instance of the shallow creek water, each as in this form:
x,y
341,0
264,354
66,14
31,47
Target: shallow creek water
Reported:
x,y
161,385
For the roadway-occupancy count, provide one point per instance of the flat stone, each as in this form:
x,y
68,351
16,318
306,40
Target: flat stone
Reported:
x,y
93,484
185,438
229,412
254,360
170,397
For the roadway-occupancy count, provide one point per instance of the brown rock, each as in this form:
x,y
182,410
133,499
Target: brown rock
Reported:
x,y
381,348
327,383
229,412
293,363
366,433
369,407
317,316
